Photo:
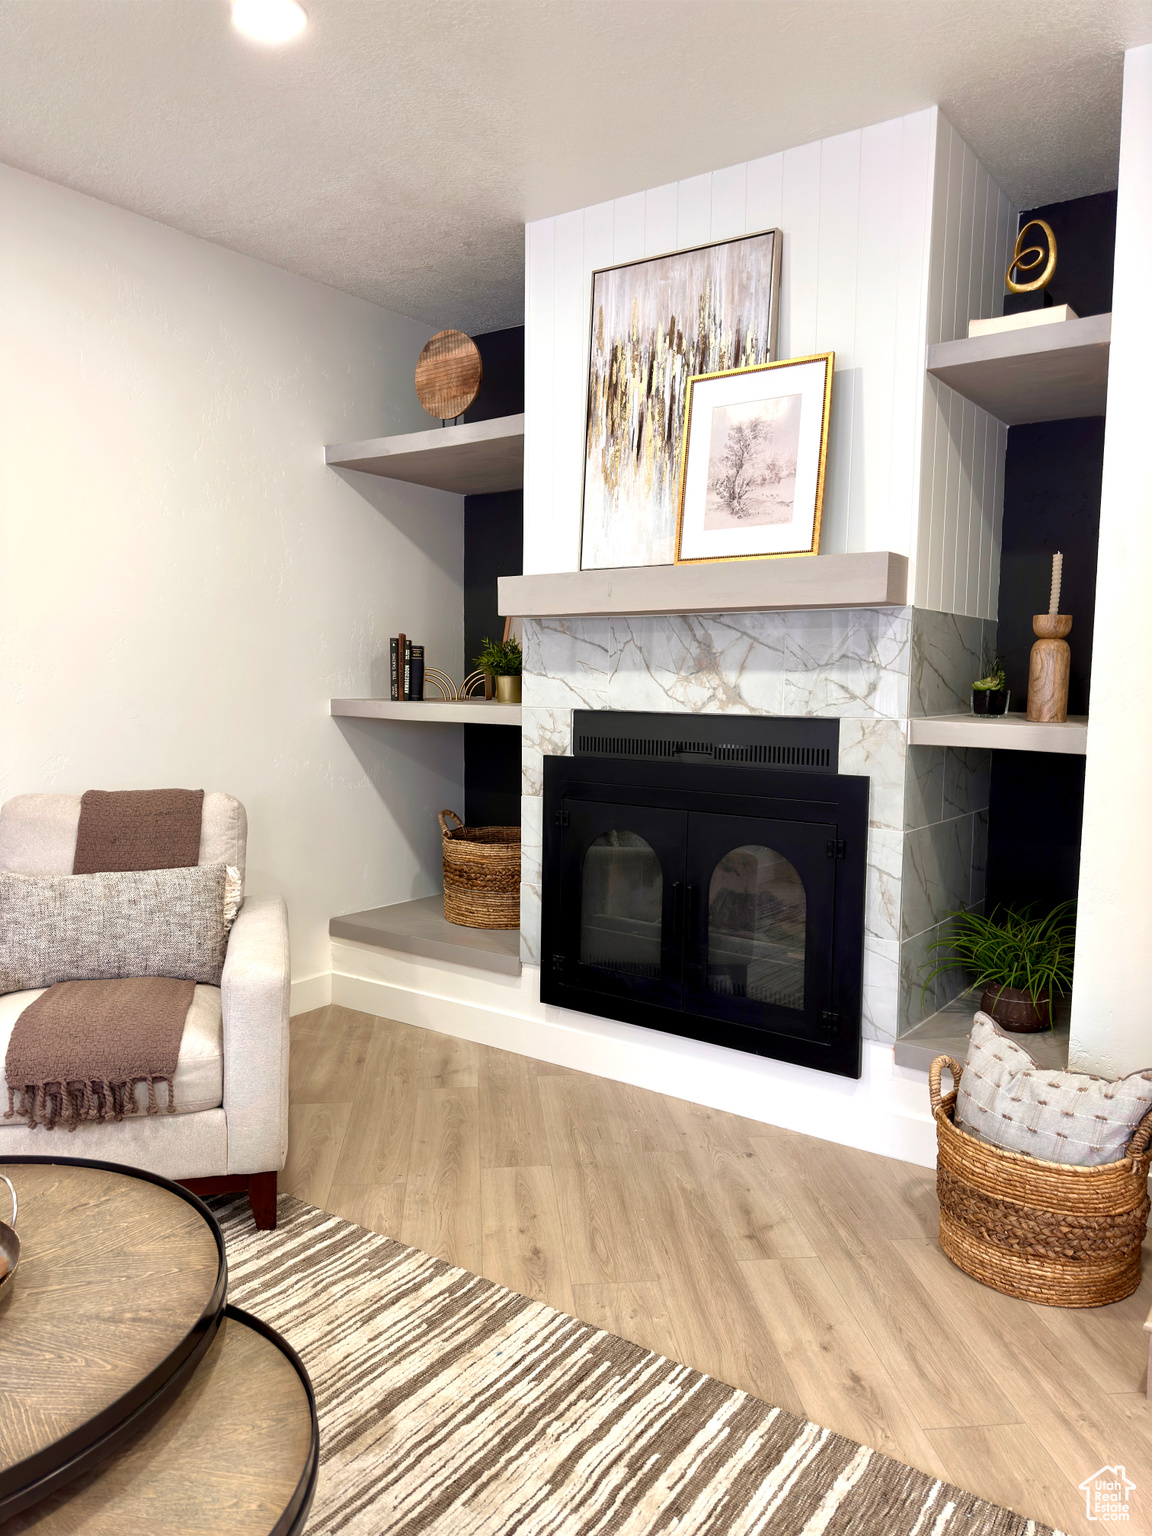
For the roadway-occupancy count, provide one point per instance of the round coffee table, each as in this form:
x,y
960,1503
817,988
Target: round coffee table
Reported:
x,y
131,1396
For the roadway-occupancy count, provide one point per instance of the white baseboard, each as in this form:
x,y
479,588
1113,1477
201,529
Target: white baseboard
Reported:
x,y
311,992
884,1111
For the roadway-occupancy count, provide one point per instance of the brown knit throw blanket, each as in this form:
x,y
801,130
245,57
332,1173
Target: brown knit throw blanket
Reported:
x,y
129,829
78,1051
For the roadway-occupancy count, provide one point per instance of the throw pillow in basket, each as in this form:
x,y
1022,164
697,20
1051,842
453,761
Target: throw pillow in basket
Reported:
x,y
102,927
1005,1098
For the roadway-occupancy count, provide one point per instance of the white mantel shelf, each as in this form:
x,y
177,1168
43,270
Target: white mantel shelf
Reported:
x,y
1039,373
430,711
872,580
472,459
1011,733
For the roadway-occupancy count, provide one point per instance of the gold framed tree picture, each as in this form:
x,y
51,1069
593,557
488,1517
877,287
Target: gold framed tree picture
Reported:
x,y
752,469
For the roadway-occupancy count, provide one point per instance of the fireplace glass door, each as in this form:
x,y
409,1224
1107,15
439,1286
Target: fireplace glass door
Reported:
x,y
621,905
758,944
756,928
622,878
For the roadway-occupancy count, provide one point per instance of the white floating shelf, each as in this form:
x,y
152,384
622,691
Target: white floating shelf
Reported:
x,y
1011,733
472,459
1040,373
871,580
430,711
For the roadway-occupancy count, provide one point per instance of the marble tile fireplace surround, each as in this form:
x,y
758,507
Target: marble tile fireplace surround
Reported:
x,y
872,668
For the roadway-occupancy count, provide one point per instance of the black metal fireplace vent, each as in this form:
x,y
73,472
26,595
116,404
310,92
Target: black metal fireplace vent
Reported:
x,y
758,741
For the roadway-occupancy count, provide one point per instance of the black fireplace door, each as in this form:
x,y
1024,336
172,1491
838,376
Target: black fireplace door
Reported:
x,y
759,922
621,880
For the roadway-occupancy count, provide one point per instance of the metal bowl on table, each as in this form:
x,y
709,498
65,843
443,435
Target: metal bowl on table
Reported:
x,y
9,1242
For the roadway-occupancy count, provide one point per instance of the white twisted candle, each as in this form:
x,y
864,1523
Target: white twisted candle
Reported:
x,y
1057,573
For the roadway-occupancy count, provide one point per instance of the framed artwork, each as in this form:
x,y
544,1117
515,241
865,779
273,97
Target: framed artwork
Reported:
x,y
755,445
655,324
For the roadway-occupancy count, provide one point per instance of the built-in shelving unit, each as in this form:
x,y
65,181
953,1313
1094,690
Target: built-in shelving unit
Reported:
x,y
471,460
875,579
1011,733
430,711
1040,373
420,928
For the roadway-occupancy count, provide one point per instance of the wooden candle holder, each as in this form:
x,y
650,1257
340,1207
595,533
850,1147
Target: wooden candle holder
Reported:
x,y
1049,666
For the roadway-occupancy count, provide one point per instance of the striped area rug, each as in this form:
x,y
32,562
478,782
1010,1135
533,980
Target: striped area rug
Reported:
x,y
450,1406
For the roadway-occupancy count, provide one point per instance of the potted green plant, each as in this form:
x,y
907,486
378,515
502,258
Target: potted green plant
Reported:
x,y
990,693
1019,959
503,660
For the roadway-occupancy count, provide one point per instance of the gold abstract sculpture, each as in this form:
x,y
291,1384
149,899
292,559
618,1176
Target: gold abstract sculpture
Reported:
x,y
434,678
1020,264
474,683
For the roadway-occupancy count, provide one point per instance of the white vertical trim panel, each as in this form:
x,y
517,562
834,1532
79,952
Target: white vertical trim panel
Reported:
x,y
693,212
539,375
660,219
836,282
764,193
874,515
729,202
1110,1030
957,588
628,217
800,221
909,393
570,370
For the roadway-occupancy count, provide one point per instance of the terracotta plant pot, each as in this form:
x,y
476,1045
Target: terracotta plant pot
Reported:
x,y
508,689
1014,1010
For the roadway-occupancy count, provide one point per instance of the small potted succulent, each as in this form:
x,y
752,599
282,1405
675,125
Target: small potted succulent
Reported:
x,y
990,693
1018,958
503,661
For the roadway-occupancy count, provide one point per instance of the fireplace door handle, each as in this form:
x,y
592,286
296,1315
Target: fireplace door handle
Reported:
x,y
683,909
677,911
693,970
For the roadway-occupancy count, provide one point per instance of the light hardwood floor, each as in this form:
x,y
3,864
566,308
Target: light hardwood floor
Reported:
x,y
799,1270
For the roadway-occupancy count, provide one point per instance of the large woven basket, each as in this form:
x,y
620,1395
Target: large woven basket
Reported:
x,y
481,874
1046,1232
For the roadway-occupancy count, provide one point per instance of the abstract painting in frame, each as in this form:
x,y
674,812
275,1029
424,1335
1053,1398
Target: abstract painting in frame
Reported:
x,y
755,448
655,324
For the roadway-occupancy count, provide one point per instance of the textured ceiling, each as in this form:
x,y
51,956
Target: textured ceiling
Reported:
x,y
396,149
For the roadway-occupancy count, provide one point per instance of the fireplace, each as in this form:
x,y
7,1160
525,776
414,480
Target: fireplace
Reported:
x,y
705,876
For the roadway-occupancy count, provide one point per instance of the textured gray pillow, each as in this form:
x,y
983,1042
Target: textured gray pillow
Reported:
x,y
1063,1117
152,922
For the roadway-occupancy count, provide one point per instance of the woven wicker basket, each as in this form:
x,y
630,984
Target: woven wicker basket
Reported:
x,y
1047,1232
481,874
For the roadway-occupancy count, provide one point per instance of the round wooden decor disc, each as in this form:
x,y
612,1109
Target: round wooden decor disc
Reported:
x,y
448,374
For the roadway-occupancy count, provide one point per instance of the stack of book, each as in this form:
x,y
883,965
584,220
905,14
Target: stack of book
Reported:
x,y
406,668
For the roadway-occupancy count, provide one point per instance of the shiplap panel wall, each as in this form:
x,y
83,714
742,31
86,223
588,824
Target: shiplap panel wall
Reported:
x,y
866,218
962,465
855,211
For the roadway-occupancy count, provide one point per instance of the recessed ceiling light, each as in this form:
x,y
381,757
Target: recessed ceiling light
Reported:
x,y
269,21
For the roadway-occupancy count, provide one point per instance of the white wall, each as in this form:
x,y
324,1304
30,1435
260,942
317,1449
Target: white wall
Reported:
x,y
957,566
893,235
183,584
1111,1015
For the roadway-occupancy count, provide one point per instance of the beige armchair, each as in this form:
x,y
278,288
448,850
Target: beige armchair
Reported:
x,y
230,1131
